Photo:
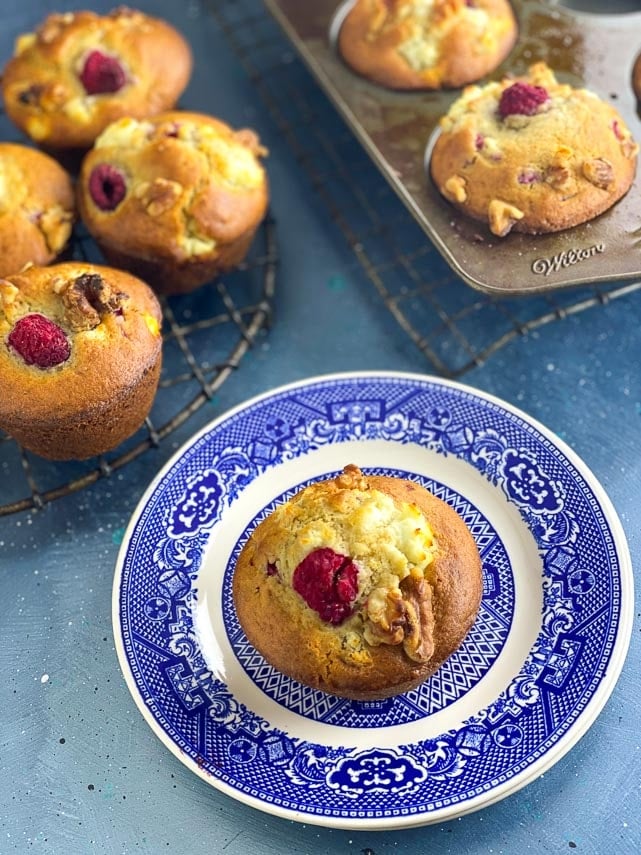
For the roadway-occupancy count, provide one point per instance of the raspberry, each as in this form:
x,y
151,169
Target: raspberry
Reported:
x,y
522,99
102,74
107,186
39,341
328,583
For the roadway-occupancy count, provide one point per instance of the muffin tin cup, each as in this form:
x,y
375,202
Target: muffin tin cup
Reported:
x,y
593,45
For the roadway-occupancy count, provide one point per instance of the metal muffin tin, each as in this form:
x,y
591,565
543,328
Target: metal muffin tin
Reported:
x,y
597,51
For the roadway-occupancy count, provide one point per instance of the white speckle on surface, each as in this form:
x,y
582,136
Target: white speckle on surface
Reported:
x,y
44,678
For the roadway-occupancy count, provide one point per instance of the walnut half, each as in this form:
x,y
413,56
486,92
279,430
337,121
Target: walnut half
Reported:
x,y
159,195
402,616
87,299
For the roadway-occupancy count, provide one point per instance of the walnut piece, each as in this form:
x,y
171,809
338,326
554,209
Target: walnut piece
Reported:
x,y
53,27
249,138
351,478
55,225
87,300
454,189
629,148
53,95
502,216
419,631
402,617
8,293
385,617
599,172
560,178
159,195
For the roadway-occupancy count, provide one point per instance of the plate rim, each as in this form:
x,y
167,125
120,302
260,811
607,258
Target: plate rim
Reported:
x,y
576,731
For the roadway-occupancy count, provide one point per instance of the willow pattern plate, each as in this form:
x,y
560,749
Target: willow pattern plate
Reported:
x,y
530,678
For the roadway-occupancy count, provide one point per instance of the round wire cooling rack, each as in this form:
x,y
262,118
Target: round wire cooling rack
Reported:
x,y
206,334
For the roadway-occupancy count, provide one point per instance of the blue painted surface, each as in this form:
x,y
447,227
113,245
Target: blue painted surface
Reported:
x,y
81,771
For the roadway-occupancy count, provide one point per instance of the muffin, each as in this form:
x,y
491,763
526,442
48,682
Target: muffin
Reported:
x,y
80,358
80,71
36,208
532,155
411,44
360,586
176,199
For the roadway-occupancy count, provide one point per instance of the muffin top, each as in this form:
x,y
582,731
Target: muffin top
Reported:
x,y
369,544
175,186
79,71
533,154
37,207
427,44
74,332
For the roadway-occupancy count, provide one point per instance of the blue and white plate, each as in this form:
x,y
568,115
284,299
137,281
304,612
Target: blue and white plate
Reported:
x,y
530,678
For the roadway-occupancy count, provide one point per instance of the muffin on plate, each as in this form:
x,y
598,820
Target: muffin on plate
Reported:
x,y
80,358
360,586
411,44
176,198
79,71
37,208
533,155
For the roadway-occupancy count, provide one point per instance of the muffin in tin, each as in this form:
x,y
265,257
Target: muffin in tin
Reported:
x,y
532,154
37,208
80,71
427,44
176,198
360,586
80,358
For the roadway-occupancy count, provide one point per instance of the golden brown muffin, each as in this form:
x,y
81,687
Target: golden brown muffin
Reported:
x,y
79,71
361,586
37,208
175,199
532,154
80,358
427,44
